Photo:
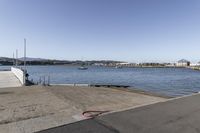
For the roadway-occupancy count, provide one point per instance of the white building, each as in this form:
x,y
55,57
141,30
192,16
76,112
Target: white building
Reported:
x,y
126,64
183,63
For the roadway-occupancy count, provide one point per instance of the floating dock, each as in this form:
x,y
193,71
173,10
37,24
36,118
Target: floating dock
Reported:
x,y
109,85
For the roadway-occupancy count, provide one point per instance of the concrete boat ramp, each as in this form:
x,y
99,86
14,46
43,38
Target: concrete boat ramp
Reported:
x,y
8,79
180,115
30,109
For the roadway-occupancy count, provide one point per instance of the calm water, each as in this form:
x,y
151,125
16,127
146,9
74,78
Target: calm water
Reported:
x,y
168,81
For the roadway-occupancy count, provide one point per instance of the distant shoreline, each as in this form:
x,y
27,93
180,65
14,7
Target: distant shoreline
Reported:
x,y
101,66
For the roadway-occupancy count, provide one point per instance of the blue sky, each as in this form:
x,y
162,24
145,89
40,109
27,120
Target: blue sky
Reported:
x,y
128,30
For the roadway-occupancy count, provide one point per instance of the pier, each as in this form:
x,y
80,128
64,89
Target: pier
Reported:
x,y
8,79
12,78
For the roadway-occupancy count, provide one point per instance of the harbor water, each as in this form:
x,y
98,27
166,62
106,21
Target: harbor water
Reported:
x,y
166,81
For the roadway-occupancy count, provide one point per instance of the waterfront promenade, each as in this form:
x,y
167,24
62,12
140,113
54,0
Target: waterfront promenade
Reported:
x,y
8,79
180,115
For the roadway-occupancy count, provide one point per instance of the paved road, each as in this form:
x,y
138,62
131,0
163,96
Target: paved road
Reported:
x,y
8,79
175,116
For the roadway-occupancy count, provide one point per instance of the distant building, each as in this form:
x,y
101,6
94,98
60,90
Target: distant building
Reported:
x,y
183,63
170,64
194,64
98,64
126,64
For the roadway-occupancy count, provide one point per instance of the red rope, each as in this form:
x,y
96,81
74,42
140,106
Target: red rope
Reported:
x,y
93,113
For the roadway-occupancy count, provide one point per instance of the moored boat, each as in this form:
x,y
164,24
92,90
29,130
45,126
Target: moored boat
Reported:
x,y
82,68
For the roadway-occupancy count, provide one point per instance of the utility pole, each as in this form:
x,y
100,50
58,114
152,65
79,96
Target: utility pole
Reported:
x,y
25,54
13,59
25,61
16,58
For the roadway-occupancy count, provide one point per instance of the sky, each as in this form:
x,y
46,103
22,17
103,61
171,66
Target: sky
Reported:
x,y
125,30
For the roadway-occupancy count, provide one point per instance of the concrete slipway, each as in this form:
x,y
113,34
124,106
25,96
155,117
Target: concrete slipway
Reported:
x,y
180,115
36,108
